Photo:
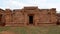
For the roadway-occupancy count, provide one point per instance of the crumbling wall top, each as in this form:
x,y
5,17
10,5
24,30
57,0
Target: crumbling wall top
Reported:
x,y
1,9
30,8
54,9
8,11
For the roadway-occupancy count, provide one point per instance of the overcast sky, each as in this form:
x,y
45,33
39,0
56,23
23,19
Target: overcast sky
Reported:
x,y
18,4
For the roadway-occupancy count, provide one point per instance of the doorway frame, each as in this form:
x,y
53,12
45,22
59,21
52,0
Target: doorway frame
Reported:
x,y
33,19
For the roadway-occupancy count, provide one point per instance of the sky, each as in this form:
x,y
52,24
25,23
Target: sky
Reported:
x,y
42,4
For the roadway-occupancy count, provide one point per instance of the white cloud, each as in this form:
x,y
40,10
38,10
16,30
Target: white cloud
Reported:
x,y
15,4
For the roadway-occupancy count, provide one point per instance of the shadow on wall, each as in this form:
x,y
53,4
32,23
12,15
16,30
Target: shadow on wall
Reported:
x,y
1,23
58,23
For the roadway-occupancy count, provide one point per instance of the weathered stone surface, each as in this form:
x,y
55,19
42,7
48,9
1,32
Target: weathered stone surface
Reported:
x,y
20,17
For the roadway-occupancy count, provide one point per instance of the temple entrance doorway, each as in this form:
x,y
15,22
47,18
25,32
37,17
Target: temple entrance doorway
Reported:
x,y
31,19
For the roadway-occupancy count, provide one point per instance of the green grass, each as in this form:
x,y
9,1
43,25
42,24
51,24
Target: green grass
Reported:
x,y
33,30
4,28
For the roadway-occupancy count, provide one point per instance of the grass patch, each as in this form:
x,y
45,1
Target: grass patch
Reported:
x,y
4,28
33,30
19,30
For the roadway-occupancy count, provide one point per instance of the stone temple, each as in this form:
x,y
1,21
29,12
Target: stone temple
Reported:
x,y
28,16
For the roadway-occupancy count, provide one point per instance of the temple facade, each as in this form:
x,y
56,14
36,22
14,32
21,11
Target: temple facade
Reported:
x,y
28,16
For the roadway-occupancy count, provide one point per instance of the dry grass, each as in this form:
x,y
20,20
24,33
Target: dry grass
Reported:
x,y
31,30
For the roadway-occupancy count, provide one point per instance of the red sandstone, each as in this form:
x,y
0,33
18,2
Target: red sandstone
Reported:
x,y
27,16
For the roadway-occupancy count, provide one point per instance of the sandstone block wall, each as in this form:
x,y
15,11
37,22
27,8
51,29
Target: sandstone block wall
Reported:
x,y
18,17
8,17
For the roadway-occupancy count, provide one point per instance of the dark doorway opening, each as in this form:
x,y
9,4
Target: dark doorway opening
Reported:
x,y
30,19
